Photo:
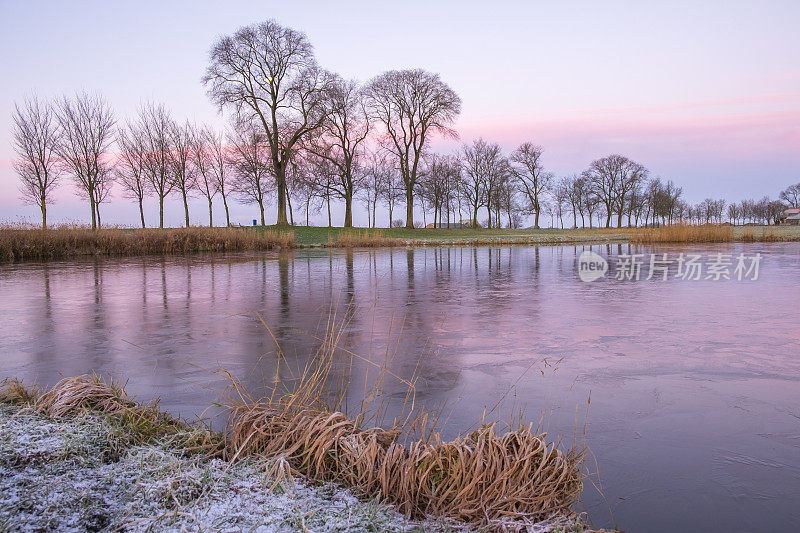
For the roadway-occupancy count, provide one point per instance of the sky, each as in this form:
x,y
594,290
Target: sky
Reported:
x,y
706,94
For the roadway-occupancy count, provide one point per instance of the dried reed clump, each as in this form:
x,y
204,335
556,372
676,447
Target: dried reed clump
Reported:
x,y
143,423
484,478
14,392
764,236
684,233
19,244
363,239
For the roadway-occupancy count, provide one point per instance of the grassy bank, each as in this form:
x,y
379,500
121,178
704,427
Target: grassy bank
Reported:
x,y
85,455
23,244
321,236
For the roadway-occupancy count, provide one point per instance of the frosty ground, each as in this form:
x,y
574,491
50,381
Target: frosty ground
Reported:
x,y
80,474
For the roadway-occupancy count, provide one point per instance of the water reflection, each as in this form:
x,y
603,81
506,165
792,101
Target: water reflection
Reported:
x,y
694,385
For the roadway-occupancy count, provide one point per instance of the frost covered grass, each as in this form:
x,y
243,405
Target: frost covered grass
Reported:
x,y
85,456
70,475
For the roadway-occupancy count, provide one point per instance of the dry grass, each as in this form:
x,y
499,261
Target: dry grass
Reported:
x,y
363,239
14,392
684,233
20,244
763,236
72,397
501,481
485,478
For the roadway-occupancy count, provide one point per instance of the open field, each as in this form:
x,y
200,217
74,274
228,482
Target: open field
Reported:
x,y
25,244
322,236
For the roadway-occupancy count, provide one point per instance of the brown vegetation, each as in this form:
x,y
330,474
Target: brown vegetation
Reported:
x,y
19,244
684,233
485,478
363,239
501,481
76,396
764,236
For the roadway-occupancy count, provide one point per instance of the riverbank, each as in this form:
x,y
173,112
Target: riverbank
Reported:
x,y
25,244
85,457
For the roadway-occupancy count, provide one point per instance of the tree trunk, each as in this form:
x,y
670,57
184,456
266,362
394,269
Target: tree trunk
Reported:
x,y
291,212
161,211
348,211
141,213
261,206
280,172
210,215
227,215
536,219
44,214
330,223
91,205
409,207
185,206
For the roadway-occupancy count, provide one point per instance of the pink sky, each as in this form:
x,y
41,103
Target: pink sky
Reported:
x,y
705,95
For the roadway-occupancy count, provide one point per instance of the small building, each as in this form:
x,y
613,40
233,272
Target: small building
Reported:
x,y
792,216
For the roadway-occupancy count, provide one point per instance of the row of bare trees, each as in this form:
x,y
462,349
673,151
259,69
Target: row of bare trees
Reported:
x,y
152,155
299,131
266,75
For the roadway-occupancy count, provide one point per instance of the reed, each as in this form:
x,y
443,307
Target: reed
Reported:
x,y
763,236
684,233
14,392
503,481
363,239
143,424
20,244
487,478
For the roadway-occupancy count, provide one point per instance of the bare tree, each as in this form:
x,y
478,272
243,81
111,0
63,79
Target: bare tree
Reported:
x,y
437,183
156,125
251,165
391,188
86,125
791,195
181,163
496,171
219,165
612,178
204,165
373,180
131,171
267,73
35,139
473,184
341,138
412,105
530,176
306,184
630,175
